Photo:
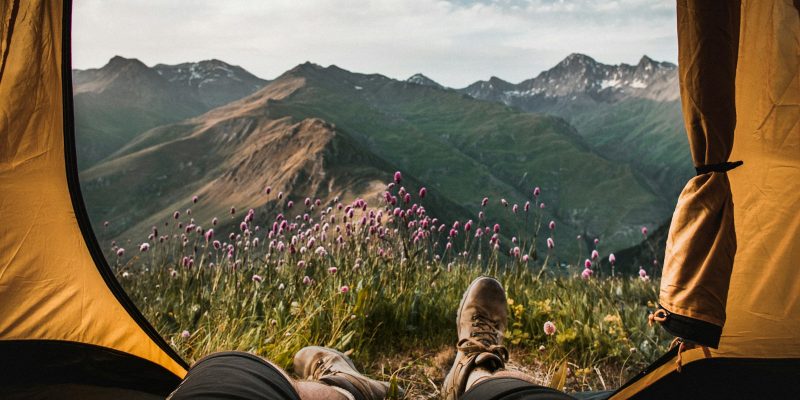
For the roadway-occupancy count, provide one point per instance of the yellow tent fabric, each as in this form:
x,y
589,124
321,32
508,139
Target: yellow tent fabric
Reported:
x,y
764,297
50,286
763,307
760,340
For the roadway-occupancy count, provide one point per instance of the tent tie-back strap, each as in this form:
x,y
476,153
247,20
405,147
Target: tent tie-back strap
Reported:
x,y
721,167
660,316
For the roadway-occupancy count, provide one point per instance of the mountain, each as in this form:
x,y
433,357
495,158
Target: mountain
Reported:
x,y
213,82
322,132
423,80
581,76
125,97
628,113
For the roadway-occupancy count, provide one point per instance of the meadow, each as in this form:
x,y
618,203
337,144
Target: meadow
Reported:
x,y
381,281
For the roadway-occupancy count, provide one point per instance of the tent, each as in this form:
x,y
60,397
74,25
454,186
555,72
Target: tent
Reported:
x,y
67,329
730,288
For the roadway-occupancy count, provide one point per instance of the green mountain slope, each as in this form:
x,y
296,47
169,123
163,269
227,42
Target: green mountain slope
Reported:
x,y
626,113
125,97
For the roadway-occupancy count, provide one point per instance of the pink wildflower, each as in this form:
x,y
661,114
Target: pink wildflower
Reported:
x,y
268,190
176,214
214,221
216,244
612,258
120,252
185,334
496,228
595,254
587,263
306,280
422,192
537,191
549,328
345,288
398,177
194,199
552,225
209,235
550,243
587,273
332,270
644,231
484,202
144,247
257,278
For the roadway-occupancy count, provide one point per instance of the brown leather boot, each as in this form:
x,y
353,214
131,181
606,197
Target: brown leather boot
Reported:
x,y
481,321
336,369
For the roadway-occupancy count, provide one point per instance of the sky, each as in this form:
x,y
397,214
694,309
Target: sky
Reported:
x,y
454,42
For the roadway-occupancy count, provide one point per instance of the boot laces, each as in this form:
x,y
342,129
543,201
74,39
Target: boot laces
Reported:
x,y
485,338
325,367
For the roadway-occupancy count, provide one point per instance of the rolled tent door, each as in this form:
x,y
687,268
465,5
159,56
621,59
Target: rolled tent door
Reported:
x,y
702,237
64,319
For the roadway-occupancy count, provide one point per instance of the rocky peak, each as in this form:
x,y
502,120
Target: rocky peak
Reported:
x,y
581,75
423,80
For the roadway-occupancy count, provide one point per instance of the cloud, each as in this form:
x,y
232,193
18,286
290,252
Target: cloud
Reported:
x,y
454,42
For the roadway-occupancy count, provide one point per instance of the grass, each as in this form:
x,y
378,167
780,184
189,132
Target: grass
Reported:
x,y
382,284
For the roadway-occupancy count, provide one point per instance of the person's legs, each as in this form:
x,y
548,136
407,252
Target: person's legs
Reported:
x,y
478,371
238,375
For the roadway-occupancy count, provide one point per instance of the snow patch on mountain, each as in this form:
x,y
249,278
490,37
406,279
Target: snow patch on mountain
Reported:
x,y
580,75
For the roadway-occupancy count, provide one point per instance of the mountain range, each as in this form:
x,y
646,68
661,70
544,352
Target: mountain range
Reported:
x,y
625,112
125,97
324,132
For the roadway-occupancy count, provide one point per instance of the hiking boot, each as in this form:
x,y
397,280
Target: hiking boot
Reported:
x,y
336,369
481,321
